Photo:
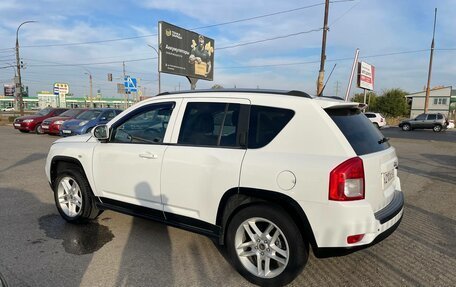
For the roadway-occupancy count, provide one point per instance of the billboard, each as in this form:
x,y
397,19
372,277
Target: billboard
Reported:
x,y
366,74
8,90
185,53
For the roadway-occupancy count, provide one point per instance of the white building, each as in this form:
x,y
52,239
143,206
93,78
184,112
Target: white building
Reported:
x,y
439,101
47,99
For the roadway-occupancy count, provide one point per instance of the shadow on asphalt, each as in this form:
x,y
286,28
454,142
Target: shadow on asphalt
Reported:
x,y
26,160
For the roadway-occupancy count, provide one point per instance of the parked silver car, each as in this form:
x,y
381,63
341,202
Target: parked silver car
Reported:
x,y
436,122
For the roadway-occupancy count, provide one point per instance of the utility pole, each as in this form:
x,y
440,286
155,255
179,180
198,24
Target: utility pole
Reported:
x,y
125,90
426,101
18,63
321,73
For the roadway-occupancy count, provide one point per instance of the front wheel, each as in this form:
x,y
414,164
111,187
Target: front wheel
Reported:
x,y
73,197
437,128
406,127
265,245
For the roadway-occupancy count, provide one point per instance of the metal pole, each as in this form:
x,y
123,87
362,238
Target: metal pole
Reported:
x,y
364,96
125,90
18,63
355,60
321,73
426,102
158,67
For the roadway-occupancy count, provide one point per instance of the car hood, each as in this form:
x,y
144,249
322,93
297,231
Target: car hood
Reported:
x,y
31,117
75,139
53,119
75,122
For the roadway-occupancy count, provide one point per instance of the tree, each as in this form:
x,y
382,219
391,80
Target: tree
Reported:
x,y
393,103
217,87
371,100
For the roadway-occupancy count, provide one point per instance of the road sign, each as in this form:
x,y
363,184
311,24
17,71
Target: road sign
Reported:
x,y
130,84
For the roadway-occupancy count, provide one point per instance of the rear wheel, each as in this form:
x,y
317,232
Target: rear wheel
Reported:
x,y
437,128
265,245
406,127
73,197
376,125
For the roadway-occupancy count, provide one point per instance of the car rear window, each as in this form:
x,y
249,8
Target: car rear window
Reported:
x,y
364,137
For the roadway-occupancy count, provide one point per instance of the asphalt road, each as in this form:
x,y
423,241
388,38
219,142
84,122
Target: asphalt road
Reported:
x,y
38,248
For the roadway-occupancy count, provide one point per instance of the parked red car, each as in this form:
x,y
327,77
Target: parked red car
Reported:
x,y
32,123
52,125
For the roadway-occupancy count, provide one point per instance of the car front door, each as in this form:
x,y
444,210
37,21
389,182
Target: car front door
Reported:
x,y
419,121
205,157
127,168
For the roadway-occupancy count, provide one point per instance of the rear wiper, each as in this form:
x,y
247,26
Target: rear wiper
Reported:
x,y
383,140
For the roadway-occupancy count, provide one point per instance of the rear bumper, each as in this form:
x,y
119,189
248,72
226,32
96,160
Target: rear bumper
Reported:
x,y
332,223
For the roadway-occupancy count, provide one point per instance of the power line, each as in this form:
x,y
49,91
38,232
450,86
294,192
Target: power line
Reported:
x,y
197,28
318,61
269,39
89,64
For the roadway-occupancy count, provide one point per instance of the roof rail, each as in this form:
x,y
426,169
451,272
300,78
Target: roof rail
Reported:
x,y
257,91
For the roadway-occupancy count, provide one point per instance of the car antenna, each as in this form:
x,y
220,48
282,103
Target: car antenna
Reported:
x,y
322,89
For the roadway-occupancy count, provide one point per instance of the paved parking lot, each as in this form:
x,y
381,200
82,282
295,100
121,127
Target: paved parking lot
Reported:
x,y
37,248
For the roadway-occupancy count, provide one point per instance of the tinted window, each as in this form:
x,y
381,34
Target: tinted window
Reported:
x,y
439,116
108,115
148,125
210,124
266,123
431,117
421,117
370,115
359,131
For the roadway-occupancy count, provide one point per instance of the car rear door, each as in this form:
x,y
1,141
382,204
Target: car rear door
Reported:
x,y
205,157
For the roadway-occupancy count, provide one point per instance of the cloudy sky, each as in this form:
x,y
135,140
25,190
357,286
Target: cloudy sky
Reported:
x,y
394,36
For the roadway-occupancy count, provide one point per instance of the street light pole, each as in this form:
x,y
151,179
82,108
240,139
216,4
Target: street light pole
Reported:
x,y
90,82
158,68
18,63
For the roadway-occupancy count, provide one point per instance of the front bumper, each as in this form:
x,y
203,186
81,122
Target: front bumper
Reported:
x,y
24,126
51,129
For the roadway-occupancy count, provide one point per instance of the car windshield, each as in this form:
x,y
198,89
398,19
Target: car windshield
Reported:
x,y
44,112
70,113
89,115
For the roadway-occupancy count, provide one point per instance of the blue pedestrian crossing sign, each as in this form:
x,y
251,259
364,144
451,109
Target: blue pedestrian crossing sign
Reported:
x,y
130,84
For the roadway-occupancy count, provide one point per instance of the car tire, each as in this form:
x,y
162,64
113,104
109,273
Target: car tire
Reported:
x,y
39,130
376,125
270,240
437,128
73,196
406,127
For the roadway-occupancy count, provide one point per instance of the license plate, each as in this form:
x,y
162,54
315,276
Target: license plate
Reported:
x,y
388,178
66,131
45,127
17,125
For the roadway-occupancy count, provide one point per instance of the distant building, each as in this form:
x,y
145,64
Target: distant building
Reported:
x,y
439,101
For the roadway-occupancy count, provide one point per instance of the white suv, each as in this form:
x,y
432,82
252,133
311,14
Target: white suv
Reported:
x,y
376,118
267,173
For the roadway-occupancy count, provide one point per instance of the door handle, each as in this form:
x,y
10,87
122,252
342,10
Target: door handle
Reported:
x,y
148,155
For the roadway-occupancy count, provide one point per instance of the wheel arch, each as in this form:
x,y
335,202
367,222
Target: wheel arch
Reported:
x,y
59,162
236,199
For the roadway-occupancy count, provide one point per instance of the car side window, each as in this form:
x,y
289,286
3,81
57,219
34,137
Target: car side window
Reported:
x,y
432,117
370,115
266,123
147,126
210,124
421,117
439,116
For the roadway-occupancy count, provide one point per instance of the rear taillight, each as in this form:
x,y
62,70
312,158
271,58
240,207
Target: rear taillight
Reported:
x,y
346,181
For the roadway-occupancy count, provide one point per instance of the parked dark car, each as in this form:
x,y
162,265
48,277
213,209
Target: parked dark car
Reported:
x,y
87,120
52,125
32,123
436,122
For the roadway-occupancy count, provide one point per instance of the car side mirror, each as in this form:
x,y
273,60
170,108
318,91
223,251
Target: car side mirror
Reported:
x,y
101,132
